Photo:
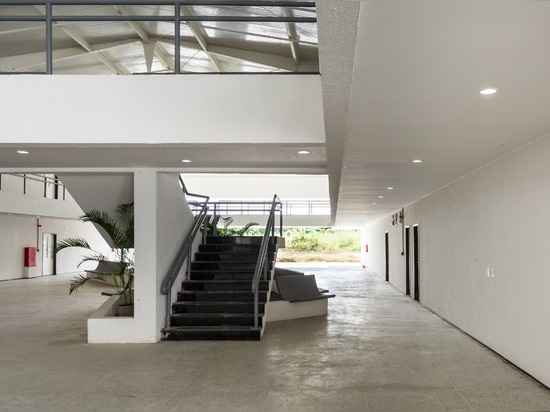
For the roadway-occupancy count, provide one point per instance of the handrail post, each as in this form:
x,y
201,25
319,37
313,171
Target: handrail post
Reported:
x,y
168,308
189,257
260,272
256,310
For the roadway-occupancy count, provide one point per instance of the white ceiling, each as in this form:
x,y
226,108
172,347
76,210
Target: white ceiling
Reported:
x,y
418,68
401,81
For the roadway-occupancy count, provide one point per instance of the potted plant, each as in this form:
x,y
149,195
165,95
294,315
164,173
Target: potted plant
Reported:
x,y
117,273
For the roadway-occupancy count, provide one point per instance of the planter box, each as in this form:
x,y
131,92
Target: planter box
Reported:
x,y
105,327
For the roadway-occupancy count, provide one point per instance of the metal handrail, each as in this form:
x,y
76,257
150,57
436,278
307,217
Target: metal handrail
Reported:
x,y
262,207
42,178
183,253
261,264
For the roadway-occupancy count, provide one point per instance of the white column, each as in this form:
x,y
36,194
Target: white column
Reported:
x,y
147,294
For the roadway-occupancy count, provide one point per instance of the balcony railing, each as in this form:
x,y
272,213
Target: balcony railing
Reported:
x,y
263,207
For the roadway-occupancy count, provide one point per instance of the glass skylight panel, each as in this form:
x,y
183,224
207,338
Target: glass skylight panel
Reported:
x,y
248,32
209,45
82,10
196,61
307,33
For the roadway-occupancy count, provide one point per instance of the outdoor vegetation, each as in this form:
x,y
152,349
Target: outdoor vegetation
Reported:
x,y
317,244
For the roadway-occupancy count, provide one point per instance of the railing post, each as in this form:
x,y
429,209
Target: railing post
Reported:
x,y
168,309
256,310
49,38
177,38
189,257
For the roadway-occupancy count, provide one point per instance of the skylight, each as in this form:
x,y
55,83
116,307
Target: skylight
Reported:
x,y
171,37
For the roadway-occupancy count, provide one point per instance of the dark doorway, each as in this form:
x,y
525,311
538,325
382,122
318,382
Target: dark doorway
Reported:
x,y
407,262
415,260
387,251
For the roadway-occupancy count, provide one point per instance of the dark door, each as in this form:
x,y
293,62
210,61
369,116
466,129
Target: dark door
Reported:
x,y
387,251
407,262
416,266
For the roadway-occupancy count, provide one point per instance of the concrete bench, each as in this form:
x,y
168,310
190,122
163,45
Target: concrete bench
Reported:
x,y
299,288
295,296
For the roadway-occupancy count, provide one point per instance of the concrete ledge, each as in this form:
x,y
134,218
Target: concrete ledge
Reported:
x,y
284,310
105,327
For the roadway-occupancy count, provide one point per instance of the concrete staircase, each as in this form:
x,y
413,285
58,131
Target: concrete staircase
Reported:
x,y
216,302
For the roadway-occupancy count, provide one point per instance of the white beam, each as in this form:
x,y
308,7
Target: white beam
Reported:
x,y
86,46
25,62
159,51
196,29
292,35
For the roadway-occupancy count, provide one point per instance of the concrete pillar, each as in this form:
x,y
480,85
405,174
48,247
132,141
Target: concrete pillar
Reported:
x,y
162,220
146,296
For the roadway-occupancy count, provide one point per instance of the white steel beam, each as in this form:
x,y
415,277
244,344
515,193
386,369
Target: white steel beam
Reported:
x,y
197,31
292,35
271,60
159,50
87,46
26,62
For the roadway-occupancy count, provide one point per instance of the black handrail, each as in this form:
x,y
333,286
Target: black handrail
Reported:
x,y
261,264
183,253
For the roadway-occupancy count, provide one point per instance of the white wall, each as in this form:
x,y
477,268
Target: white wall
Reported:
x,y
163,109
19,231
257,186
162,221
484,255
24,218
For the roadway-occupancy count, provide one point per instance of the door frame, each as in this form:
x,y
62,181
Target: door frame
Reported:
x,y
52,251
387,254
407,261
416,261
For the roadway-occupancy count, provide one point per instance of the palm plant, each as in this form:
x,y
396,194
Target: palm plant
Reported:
x,y
120,229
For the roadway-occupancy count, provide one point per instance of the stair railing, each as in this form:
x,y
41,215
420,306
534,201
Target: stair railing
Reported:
x,y
185,250
261,264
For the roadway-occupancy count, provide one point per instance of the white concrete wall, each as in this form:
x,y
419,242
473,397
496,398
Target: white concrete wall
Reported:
x,y
18,232
20,217
18,203
101,191
159,109
258,186
484,248
162,221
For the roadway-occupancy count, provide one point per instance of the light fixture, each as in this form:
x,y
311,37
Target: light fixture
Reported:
x,y
488,91
373,203
417,161
380,197
186,161
303,152
390,188
23,152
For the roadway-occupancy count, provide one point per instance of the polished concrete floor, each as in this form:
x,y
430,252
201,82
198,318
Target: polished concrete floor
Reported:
x,y
377,350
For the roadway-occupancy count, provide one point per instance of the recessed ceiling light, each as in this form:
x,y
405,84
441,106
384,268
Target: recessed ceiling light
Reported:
x,y
380,197
373,203
487,91
186,161
417,161
390,188
304,152
23,152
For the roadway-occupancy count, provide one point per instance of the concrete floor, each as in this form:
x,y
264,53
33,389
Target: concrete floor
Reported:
x,y
376,351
